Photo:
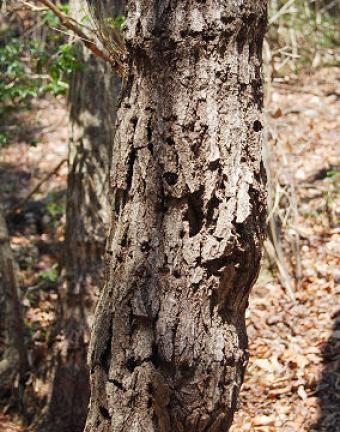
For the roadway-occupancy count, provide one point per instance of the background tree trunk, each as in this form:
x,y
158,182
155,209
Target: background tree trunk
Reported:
x,y
168,350
92,101
14,362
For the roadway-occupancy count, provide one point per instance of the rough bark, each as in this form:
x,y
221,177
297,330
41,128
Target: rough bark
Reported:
x,y
13,362
168,348
92,103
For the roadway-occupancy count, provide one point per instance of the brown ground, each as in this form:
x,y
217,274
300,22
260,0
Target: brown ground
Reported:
x,y
293,378
7,425
38,145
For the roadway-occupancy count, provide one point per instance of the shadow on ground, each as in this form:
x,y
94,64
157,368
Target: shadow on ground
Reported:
x,y
328,389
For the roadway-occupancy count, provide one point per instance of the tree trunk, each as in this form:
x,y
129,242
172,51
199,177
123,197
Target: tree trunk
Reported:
x,y
168,348
92,99
13,363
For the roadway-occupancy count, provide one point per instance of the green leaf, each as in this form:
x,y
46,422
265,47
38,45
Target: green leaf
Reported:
x,y
50,275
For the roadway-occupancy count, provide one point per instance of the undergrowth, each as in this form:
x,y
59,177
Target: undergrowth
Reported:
x,y
36,58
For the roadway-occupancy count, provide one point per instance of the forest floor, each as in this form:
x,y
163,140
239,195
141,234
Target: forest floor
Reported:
x,y
293,378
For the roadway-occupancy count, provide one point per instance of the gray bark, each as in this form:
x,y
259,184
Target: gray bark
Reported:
x,y
92,102
168,349
13,362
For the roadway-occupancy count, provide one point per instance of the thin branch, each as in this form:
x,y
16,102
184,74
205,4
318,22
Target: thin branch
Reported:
x,y
24,201
33,7
90,44
281,12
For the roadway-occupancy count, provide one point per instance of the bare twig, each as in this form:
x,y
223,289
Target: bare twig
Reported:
x,y
24,201
281,12
273,245
105,31
278,260
33,7
69,23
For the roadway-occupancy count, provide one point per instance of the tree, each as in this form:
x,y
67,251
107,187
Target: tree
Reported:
x,y
168,348
92,99
14,361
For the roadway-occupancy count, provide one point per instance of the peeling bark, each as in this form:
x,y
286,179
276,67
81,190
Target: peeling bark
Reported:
x,y
92,103
168,349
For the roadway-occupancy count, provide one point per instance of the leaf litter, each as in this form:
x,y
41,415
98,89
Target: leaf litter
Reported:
x,y
292,383
293,379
